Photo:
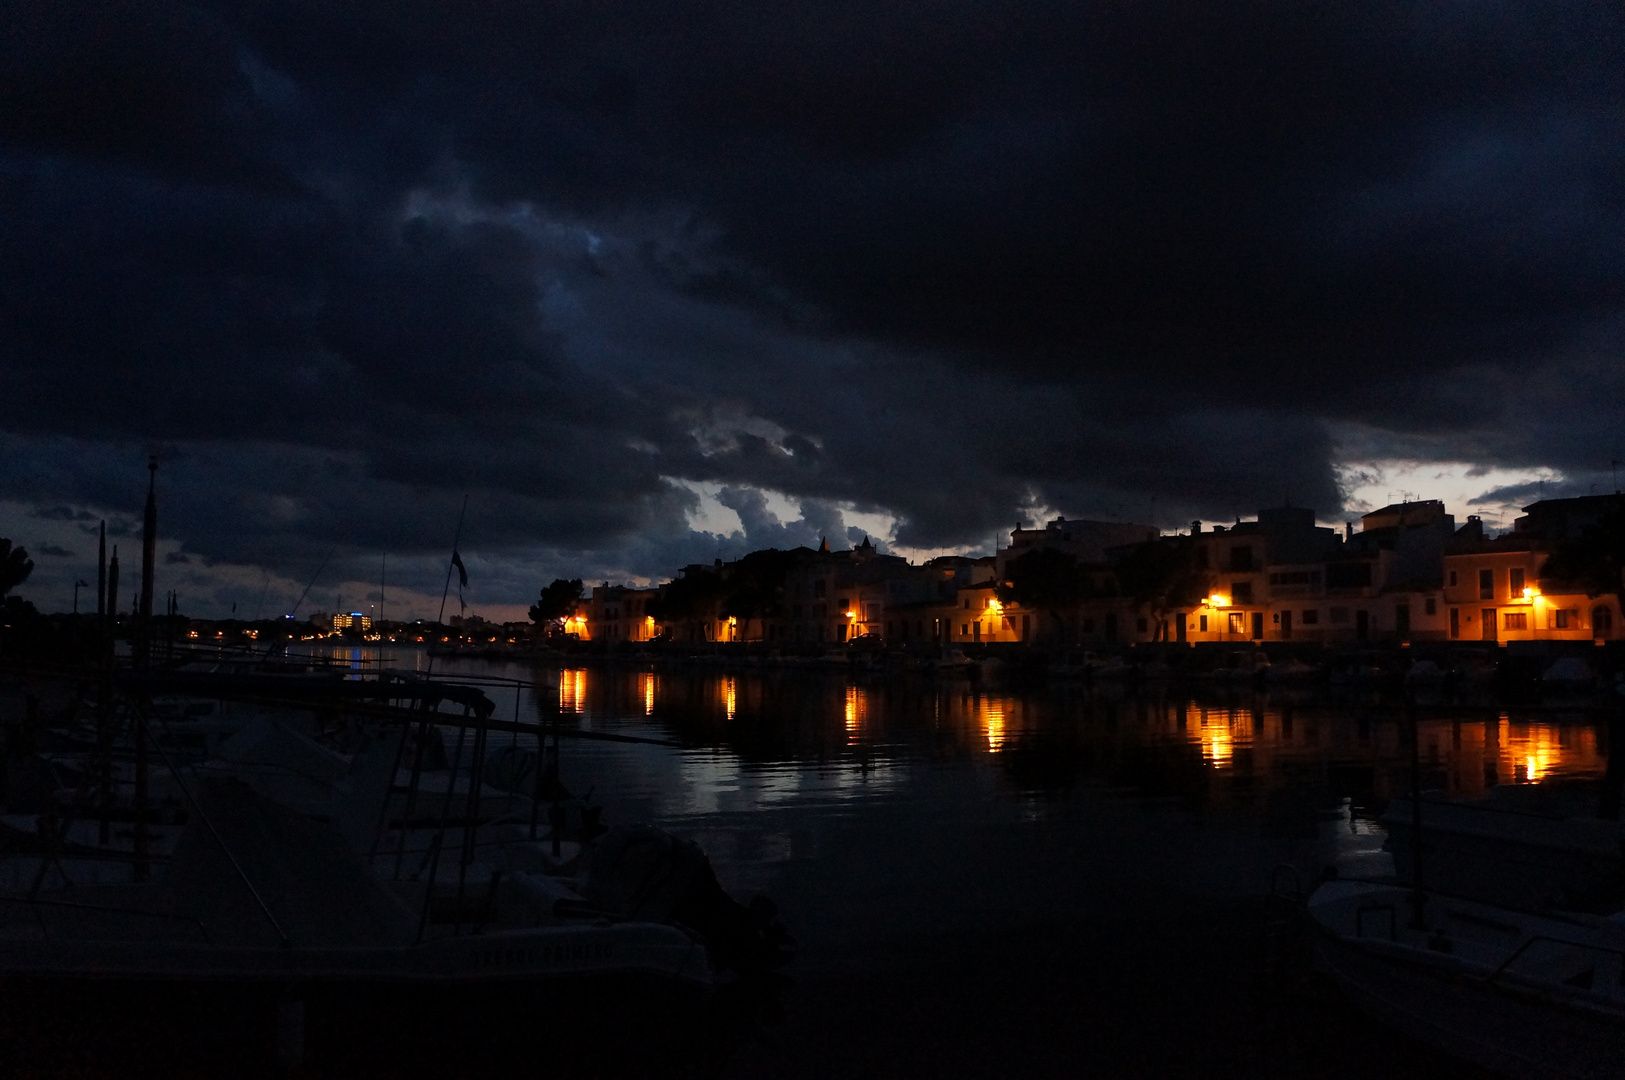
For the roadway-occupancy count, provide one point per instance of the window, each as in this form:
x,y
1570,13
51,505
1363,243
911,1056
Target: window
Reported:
x,y
1431,606
1241,558
843,604
1516,620
1241,592
1238,622
964,628
1486,584
1452,579
1201,623
1338,615
1565,618
1515,581
1311,617
967,603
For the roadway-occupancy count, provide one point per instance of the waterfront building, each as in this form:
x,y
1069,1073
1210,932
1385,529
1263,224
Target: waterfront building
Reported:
x,y
614,613
1498,589
353,622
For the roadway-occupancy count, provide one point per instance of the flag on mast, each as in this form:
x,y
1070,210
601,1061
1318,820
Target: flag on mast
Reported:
x,y
462,573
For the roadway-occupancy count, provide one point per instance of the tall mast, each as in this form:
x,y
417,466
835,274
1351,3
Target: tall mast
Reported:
x,y
149,545
101,577
141,658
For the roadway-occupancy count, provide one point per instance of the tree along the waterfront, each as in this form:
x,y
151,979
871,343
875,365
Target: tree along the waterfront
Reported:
x,y
691,599
1594,560
1165,576
557,602
1047,580
756,587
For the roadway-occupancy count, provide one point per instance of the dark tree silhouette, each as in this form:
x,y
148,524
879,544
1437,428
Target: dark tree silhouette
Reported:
x,y
557,602
1165,576
1047,580
1594,560
756,587
693,598
15,566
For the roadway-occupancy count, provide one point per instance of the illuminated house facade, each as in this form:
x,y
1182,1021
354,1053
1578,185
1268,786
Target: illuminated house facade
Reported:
x,y
614,613
1496,590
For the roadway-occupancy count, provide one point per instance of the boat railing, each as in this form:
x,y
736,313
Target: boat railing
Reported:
x,y
34,905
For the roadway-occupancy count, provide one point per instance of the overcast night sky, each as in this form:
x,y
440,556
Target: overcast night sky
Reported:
x,y
657,282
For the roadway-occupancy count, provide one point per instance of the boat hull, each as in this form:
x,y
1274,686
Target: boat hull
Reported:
x,y
1489,1026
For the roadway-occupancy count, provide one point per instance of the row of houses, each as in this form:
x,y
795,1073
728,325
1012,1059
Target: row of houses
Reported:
x,y
1409,573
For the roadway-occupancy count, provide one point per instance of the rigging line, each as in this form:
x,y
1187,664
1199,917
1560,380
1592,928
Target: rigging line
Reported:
x,y
270,648
225,848
312,584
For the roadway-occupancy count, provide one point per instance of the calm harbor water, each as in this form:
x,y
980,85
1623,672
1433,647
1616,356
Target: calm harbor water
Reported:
x,y
988,880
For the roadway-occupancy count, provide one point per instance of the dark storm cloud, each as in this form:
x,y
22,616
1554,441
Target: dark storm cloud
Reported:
x,y
344,263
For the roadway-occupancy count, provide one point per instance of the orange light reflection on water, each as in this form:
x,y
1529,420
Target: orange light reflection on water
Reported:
x,y
573,690
857,711
991,717
730,699
1219,732
648,688
1538,751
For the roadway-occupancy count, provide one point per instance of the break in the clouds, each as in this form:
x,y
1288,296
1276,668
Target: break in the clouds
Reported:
x,y
657,283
